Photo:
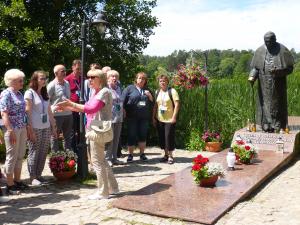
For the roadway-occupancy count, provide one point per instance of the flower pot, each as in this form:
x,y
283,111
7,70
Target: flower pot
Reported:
x,y
209,182
64,175
213,146
247,161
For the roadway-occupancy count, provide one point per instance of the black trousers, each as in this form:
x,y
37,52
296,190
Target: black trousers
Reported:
x,y
166,135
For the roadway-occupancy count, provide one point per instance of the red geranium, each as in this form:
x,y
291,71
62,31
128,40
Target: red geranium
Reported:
x,y
196,167
72,163
201,169
247,147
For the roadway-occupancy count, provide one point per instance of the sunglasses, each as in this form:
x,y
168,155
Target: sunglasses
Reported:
x,y
91,77
42,78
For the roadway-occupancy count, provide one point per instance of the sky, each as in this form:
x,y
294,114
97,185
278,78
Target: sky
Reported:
x,y
223,24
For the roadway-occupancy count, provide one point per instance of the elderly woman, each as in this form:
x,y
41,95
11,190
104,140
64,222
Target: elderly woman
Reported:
x,y
137,101
12,107
117,116
99,106
165,113
39,119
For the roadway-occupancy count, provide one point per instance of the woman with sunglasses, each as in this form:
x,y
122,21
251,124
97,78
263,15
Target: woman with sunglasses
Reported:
x,y
99,106
12,107
40,118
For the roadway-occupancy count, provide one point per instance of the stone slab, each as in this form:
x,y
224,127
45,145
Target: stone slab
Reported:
x,y
177,196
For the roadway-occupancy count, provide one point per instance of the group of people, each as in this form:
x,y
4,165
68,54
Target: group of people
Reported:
x,y
46,111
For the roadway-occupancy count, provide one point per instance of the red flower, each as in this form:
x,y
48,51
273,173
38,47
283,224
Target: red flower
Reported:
x,y
200,160
71,163
196,167
241,142
247,147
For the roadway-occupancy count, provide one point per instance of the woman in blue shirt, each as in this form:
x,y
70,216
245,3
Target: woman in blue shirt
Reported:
x,y
137,101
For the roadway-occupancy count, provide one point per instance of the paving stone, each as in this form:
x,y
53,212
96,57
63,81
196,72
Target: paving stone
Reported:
x,y
52,201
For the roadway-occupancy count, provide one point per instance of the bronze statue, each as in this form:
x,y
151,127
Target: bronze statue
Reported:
x,y
271,64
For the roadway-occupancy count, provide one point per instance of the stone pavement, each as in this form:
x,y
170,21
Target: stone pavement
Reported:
x,y
66,203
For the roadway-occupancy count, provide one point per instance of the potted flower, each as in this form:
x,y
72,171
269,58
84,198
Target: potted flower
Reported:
x,y
244,151
213,141
205,173
190,77
63,164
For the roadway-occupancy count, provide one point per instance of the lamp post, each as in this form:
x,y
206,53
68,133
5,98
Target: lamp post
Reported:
x,y
205,53
100,24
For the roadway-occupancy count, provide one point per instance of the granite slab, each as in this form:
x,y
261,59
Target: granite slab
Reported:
x,y
177,196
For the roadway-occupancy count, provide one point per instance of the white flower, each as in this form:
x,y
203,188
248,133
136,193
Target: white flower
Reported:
x,y
215,169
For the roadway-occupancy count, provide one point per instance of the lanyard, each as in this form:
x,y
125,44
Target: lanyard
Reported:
x,y
41,98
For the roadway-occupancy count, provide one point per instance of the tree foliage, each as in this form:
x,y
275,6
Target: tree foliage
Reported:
x,y
37,34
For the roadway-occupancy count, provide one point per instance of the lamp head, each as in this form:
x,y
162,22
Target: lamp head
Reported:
x,y
99,22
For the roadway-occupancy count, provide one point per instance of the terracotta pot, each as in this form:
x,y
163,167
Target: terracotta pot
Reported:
x,y
65,175
209,182
213,146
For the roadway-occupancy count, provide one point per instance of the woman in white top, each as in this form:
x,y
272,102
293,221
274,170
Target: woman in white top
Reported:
x,y
40,118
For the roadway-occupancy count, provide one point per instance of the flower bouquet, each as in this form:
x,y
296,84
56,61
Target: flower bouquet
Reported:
x,y
244,151
205,173
63,164
190,77
213,141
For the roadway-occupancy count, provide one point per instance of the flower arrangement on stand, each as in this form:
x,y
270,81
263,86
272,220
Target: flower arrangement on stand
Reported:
x,y
63,164
213,141
244,151
206,173
190,77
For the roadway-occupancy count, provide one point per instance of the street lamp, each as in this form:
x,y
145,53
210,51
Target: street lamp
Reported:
x,y
100,23
205,53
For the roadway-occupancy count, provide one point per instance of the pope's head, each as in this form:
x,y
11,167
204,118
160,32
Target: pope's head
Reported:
x,y
270,39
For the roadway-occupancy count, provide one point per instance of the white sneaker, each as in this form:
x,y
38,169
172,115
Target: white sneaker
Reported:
x,y
4,199
97,196
36,182
114,192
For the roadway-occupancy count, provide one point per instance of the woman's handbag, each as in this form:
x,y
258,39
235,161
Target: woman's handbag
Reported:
x,y
100,131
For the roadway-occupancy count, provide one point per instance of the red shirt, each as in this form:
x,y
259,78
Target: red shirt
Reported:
x,y
74,87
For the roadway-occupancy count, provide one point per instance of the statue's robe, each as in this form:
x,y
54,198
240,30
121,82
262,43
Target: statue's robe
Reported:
x,y
271,107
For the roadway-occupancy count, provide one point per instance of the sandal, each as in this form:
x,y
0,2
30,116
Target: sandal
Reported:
x,y
170,160
164,159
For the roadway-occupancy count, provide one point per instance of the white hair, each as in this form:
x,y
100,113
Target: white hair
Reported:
x,y
11,75
58,67
105,69
112,73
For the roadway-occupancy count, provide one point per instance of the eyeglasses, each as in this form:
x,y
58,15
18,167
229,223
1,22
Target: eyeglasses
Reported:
x,y
91,77
42,78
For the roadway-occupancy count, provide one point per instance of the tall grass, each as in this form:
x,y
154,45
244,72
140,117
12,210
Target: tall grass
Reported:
x,y
229,107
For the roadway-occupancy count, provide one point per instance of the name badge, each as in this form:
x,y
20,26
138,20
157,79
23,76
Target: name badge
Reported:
x,y
142,103
117,107
162,109
44,117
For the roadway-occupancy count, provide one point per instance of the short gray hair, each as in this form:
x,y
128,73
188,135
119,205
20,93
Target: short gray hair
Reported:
x,y
11,75
57,67
112,73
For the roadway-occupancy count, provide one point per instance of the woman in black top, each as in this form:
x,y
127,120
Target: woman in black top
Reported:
x,y
137,100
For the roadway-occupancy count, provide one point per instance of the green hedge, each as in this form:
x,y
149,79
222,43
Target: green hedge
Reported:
x,y
229,107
